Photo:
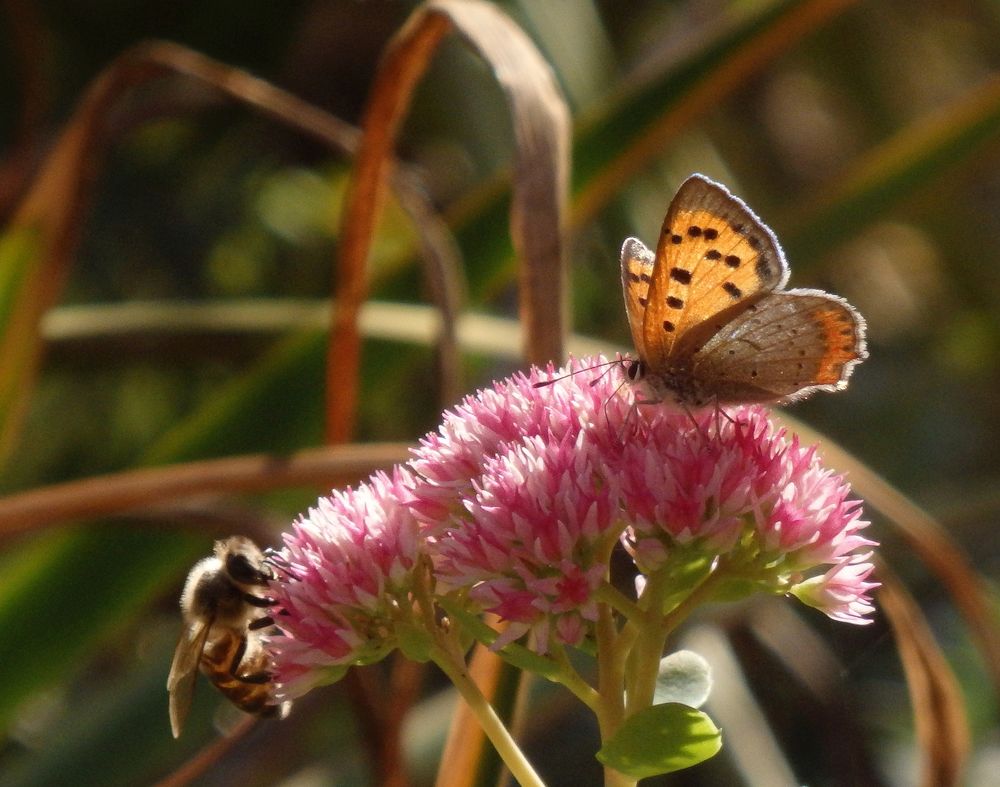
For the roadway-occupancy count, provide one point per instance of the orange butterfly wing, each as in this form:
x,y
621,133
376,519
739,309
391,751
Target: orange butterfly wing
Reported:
x,y
714,258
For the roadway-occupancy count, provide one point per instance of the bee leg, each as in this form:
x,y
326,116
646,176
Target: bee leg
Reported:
x,y
234,666
261,623
254,677
257,601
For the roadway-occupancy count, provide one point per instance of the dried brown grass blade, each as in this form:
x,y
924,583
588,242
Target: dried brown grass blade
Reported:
x,y
938,707
208,756
932,543
126,491
541,165
52,212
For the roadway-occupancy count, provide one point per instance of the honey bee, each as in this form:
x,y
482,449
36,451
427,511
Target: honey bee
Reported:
x,y
223,621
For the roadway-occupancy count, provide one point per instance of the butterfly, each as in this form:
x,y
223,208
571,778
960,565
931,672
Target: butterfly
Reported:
x,y
711,320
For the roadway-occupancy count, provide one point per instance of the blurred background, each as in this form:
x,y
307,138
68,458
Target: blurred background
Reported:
x,y
191,326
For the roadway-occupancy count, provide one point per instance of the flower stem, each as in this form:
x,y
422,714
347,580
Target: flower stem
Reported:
x,y
573,681
699,595
644,659
610,674
618,601
494,728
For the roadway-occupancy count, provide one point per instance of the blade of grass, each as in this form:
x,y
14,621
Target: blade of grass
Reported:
x,y
928,539
537,221
938,707
620,139
894,170
119,493
638,127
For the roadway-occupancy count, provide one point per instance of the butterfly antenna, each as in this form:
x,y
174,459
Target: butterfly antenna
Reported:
x,y
609,364
599,377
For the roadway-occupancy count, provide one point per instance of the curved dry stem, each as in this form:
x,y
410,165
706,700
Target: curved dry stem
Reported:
x,y
208,755
541,130
932,543
939,712
47,224
119,492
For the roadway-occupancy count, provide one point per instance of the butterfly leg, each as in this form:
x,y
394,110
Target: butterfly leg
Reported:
x,y
631,417
719,414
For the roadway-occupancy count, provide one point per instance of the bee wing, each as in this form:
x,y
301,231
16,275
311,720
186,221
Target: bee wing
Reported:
x,y
184,670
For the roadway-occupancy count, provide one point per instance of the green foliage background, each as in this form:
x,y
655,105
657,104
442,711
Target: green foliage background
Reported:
x,y
870,145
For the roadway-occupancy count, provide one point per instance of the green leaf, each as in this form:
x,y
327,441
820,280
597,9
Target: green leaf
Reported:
x,y
661,739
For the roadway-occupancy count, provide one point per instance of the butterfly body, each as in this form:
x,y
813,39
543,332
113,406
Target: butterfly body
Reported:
x,y
711,320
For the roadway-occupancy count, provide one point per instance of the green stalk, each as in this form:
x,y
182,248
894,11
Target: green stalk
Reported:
x,y
491,724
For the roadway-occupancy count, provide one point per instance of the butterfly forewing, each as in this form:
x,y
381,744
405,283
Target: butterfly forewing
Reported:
x,y
797,342
713,253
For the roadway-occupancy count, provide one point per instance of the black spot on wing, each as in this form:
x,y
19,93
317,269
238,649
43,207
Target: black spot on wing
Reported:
x,y
681,275
734,292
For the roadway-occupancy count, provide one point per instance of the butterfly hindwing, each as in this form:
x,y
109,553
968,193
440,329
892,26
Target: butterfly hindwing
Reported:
x,y
792,343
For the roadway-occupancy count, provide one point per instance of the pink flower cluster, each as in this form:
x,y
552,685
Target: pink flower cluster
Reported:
x,y
517,501
346,568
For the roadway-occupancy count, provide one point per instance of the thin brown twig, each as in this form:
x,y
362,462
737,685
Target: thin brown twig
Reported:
x,y
208,755
119,492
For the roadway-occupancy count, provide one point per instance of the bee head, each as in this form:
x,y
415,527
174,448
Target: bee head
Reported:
x,y
243,561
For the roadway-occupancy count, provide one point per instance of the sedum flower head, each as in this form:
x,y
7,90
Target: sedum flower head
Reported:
x,y
532,547
515,504
345,578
